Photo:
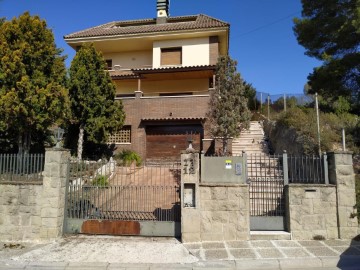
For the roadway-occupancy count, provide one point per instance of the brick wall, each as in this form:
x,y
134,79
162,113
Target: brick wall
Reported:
x,y
159,108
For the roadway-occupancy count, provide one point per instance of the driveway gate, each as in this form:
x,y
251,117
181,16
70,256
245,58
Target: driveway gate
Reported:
x,y
106,198
267,206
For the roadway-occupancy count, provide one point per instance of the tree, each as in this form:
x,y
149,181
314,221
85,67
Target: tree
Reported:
x,y
228,111
92,95
32,77
330,32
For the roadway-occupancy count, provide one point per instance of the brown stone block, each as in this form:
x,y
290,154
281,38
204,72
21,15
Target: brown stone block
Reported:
x,y
112,227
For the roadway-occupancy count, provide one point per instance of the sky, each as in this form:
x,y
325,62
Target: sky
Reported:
x,y
261,36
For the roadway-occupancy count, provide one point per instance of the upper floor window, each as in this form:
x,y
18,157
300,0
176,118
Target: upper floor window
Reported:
x,y
171,56
108,64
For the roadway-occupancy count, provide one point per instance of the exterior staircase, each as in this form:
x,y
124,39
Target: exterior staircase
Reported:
x,y
266,184
252,141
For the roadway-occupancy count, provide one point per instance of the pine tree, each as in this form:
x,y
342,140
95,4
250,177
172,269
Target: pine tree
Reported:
x,y
228,111
92,94
32,77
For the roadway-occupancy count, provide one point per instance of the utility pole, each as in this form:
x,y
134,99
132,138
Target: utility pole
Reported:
x,y
268,103
318,122
285,102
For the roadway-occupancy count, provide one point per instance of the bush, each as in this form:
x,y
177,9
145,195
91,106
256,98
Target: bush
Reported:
x,y
127,157
100,181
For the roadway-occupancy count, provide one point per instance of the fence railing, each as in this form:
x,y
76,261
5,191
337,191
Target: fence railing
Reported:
x,y
308,169
268,104
28,167
108,190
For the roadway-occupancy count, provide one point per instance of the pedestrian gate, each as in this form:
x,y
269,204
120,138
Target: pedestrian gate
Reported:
x,y
267,207
108,198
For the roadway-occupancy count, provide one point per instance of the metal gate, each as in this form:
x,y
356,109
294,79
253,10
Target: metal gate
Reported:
x,y
267,206
107,198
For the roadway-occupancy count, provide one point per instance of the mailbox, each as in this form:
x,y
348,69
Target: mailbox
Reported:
x,y
189,195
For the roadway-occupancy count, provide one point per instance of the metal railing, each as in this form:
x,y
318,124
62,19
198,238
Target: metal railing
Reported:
x,y
107,190
15,167
308,169
266,178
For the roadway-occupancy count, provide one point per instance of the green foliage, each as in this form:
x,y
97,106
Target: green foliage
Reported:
x,y
228,110
100,181
32,78
329,31
357,191
303,120
127,157
92,94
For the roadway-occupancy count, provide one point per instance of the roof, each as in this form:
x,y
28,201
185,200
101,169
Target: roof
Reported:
x,y
173,118
179,23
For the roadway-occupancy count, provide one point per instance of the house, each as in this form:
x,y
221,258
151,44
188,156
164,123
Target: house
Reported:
x,y
163,69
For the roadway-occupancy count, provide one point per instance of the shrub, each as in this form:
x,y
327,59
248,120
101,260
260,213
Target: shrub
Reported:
x,y
100,181
127,157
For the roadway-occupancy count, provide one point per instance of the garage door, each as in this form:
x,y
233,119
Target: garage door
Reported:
x,y
166,142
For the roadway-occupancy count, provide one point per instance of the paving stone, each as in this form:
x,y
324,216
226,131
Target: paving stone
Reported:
x,y
285,243
214,265
238,244
269,253
321,251
213,245
307,263
193,246
257,264
242,253
337,243
311,243
294,252
262,243
346,251
216,254
196,253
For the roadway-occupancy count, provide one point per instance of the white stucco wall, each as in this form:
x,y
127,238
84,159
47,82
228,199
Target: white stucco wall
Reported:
x,y
195,51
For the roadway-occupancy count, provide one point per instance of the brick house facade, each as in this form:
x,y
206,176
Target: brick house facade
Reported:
x,y
163,69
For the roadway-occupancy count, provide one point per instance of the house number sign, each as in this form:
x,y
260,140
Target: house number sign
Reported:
x,y
189,167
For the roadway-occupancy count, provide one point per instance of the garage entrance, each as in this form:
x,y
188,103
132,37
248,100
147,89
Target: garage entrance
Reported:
x,y
167,141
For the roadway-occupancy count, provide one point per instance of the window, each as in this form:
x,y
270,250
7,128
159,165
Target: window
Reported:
x,y
122,136
171,56
108,64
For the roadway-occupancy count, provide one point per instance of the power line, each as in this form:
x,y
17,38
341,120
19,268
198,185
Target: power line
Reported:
x,y
267,25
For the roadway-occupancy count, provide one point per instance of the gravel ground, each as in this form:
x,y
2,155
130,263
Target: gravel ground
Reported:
x,y
100,249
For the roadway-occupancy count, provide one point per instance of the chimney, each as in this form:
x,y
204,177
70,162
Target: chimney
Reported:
x,y
162,7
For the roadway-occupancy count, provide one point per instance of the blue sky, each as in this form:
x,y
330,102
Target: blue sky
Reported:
x,y
261,36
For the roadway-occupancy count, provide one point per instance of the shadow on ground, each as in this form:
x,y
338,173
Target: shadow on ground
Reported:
x,y
350,257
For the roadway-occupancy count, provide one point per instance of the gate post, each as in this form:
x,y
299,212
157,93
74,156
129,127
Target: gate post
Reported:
x,y
54,189
285,168
190,212
341,174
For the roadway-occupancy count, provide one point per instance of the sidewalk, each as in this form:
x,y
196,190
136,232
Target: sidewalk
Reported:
x,y
107,252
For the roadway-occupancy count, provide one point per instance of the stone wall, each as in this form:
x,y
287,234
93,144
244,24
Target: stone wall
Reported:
x,y
20,211
224,212
35,211
220,211
341,174
311,211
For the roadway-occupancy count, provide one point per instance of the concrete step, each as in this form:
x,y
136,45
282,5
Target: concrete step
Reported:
x,y
270,235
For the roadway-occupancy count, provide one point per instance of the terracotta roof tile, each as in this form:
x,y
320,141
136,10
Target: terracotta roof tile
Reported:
x,y
149,26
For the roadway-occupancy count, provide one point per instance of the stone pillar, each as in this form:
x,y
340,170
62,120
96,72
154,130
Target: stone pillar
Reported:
x,y
54,188
341,174
190,214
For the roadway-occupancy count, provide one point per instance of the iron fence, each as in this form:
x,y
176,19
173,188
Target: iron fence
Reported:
x,y
308,169
107,190
27,167
266,177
